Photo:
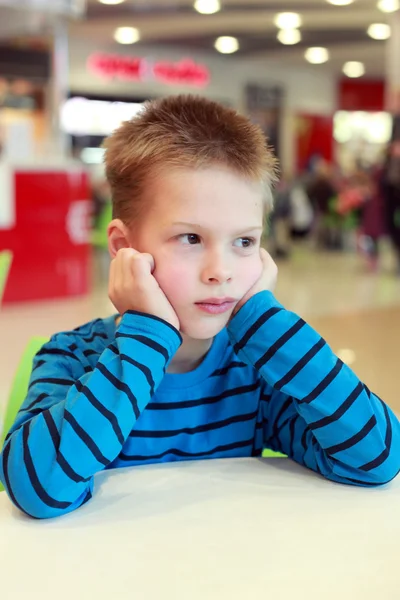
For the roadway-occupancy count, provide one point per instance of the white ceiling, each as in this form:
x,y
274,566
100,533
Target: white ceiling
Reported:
x,y
175,23
341,29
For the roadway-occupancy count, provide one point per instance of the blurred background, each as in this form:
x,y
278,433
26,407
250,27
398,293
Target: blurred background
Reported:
x,y
321,77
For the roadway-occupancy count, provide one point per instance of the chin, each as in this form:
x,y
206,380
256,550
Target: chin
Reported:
x,y
204,329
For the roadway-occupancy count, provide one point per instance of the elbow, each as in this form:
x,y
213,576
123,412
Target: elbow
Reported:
x,y
30,504
372,477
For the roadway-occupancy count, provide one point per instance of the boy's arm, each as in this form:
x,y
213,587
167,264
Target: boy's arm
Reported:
x,y
319,412
73,425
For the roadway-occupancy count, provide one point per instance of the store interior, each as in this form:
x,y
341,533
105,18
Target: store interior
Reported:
x,y
321,78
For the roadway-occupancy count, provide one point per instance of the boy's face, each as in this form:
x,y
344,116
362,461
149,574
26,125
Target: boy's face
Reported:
x,y
203,230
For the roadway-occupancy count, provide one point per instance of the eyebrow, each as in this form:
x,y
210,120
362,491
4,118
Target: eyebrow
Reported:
x,y
197,226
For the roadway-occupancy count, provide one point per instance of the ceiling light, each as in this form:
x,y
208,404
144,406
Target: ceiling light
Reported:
x,y
126,35
379,31
354,69
226,44
111,1
207,7
389,6
340,2
288,20
289,37
317,56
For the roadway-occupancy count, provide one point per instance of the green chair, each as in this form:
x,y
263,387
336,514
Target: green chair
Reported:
x,y
267,453
5,263
20,387
99,237
20,384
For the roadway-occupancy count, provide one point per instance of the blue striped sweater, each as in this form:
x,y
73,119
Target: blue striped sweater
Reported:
x,y
100,397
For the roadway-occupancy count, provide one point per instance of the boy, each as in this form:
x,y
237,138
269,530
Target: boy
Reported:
x,y
201,360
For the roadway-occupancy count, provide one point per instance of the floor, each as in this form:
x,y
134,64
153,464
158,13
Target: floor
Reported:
x,y
357,312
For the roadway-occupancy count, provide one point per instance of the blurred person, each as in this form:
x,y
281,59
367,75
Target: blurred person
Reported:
x,y
372,227
390,188
301,211
321,191
201,360
359,206
279,231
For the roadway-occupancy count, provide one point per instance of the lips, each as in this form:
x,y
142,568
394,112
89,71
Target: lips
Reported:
x,y
217,301
216,306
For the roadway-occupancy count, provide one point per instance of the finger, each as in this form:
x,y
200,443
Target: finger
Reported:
x,y
149,259
266,258
140,266
124,256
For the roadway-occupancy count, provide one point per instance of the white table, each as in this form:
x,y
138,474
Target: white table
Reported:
x,y
225,529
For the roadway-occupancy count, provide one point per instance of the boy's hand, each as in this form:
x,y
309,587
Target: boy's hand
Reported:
x,y
133,287
266,282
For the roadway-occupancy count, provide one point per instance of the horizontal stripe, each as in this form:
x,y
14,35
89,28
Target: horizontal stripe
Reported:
x,y
237,391
182,454
6,457
193,430
255,327
352,481
343,408
35,402
282,341
355,439
88,353
37,486
62,462
121,386
300,365
321,387
379,460
157,320
91,339
265,398
55,380
56,352
86,439
38,365
143,368
233,365
107,414
147,342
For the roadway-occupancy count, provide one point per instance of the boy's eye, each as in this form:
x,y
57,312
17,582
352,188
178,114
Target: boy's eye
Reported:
x,y
190,238
246,242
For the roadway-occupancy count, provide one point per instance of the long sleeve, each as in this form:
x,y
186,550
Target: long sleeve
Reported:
x,y
318,412
73,423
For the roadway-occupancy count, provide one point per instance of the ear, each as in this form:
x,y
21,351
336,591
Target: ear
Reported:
x,y
118,237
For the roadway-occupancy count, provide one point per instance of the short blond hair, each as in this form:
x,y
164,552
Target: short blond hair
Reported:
x,y
182,131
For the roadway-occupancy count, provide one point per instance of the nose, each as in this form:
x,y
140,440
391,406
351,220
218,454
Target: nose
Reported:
x,y
216,269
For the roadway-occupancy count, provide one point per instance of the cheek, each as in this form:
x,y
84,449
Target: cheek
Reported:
x,y
175,279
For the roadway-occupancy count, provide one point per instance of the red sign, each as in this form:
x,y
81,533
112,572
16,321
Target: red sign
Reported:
x,y
364,95
314,136
126,68
50,240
